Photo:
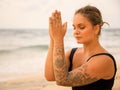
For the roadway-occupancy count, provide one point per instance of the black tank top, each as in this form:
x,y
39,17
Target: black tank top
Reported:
x,y
100,84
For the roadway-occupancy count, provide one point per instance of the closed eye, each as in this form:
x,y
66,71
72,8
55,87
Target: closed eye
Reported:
x,y
79,27
82,27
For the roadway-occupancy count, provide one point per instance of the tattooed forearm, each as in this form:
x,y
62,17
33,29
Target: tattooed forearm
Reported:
x,y
59,57
79,77
59,63
76,77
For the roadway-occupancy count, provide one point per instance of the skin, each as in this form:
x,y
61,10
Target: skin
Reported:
x,y
83,72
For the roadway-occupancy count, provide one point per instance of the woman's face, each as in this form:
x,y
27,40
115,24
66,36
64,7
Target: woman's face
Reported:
x,y
83,29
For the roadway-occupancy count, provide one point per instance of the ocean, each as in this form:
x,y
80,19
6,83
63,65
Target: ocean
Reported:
x,y
23,51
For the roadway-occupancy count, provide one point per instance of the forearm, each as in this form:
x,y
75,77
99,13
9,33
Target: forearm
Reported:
x,y
49,73
57,32
59,63
77,77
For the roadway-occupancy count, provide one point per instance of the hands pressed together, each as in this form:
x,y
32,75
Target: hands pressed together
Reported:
x,y
57,30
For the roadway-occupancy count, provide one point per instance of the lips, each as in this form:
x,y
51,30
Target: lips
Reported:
x,y
78,36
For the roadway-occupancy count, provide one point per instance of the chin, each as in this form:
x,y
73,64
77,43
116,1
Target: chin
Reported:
x,y
79,42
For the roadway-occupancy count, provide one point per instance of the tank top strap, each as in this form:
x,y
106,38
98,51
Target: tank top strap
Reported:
x,y
101,54
71,57
108,54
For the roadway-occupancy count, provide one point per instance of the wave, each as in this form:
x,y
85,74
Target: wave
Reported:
x,y
43,47
31,47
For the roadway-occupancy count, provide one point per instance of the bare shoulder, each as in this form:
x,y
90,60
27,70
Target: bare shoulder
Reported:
x,y
101,66
68,52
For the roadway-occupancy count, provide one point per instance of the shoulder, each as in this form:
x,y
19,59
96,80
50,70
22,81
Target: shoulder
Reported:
x,y
102,65
68,54
70,51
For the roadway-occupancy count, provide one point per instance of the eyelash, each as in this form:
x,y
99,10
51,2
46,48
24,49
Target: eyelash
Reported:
x,y
81,28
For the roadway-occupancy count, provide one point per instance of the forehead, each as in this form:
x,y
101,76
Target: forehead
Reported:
x,y
80,19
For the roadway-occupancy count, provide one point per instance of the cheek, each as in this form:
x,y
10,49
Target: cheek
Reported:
x,y
89,31
88,35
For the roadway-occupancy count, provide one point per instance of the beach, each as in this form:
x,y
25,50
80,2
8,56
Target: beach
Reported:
x,y
23,53
38,82
35,82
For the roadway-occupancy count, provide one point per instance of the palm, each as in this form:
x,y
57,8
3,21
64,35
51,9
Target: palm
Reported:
x,y
56,29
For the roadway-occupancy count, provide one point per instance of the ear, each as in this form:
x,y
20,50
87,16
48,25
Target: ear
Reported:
x,y
97,29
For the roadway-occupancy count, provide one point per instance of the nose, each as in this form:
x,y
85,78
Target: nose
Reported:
x,y
77,31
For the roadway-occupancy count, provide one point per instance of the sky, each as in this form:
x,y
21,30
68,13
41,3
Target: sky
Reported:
x,y
34,14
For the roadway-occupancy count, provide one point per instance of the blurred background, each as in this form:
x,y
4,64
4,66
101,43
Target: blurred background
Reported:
x,y
24,37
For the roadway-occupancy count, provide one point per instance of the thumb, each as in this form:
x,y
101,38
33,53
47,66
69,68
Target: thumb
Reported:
x,y
65,26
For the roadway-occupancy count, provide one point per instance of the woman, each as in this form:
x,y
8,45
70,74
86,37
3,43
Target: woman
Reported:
x,y
90,67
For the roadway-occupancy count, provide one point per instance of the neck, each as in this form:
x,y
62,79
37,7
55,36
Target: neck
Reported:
x,y
92,48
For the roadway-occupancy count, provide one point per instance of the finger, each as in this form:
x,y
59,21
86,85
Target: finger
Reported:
x,y
65,26
54,20
59,16
50,21
58,19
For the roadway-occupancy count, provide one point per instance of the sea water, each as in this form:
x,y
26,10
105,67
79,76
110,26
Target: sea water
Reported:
x,y
23,51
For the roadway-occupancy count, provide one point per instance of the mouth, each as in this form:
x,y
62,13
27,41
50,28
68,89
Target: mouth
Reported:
x,y
78,37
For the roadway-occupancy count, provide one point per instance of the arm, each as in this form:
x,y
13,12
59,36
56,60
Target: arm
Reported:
x,y
49,73
77,77
100,67
87,73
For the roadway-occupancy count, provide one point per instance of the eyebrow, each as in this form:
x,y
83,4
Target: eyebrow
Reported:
x,y
78,24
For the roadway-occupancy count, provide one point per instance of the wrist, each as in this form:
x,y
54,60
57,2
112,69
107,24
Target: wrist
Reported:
x,y
51,43
58,42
